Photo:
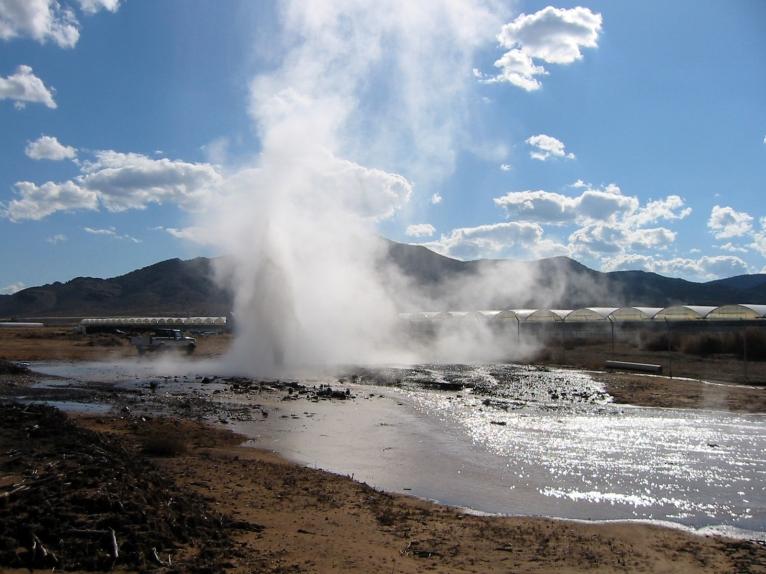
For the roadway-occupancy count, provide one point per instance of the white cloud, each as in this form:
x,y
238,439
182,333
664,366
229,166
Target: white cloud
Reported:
x,y
496,240
12,288
110,232
41,20
133,181
506,167
93,6
732,248
609,221
194,234
58,238
759,243
436,199
47,20
553,35
517,68
118,182
600,238
545,146
726,222
25,88
36,202
420,230
701,269
670,208
547,207
48,147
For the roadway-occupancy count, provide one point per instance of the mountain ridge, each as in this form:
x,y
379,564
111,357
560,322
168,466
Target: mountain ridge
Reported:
x,y
187,287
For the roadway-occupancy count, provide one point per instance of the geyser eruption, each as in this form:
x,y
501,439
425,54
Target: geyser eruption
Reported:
x,y
356,90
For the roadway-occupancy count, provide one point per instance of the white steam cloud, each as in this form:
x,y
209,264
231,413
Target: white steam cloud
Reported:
x,y
309,275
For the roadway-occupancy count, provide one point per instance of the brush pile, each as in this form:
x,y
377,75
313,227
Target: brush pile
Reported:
x,y
75,499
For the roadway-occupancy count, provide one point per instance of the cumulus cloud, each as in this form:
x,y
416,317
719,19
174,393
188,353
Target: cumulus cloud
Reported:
x,y
47,20
93,6
732,248
609,221
703,269
37,202
759,242
117,182
25,88
41,20
12,288
48,147
110,232
670,208
133,181
601,238
551,35
484,240
506,167
726,222
547,207
58,238
436,199
496,240
544,147
420,230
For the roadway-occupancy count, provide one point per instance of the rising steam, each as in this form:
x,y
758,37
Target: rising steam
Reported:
x,y
358,84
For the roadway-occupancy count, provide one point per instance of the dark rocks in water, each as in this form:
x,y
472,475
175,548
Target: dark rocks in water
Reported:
x,y
498,423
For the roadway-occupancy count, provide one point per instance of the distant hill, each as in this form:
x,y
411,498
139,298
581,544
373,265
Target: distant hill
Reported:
x,y
176,287
172,287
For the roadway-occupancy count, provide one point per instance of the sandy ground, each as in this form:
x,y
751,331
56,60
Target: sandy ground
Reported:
x,y
305,520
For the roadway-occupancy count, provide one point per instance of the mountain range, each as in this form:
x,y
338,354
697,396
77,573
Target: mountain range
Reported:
x,y
178,287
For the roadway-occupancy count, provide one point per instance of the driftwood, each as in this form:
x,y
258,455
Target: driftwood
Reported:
x,y
37,545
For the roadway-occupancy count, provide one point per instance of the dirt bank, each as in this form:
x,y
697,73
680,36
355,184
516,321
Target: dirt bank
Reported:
x,y
272,516
648,391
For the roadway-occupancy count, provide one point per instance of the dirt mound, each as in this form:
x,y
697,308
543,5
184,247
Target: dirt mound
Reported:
x,y
75,499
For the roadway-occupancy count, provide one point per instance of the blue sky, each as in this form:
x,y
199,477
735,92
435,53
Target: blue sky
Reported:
x,y
643,146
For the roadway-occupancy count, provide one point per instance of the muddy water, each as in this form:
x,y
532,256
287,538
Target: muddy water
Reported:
x,y
515,440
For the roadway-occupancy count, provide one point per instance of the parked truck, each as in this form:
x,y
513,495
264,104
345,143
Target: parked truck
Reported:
x,y
164,340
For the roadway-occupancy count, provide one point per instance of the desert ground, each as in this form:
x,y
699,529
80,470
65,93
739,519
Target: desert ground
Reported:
x,y
171,493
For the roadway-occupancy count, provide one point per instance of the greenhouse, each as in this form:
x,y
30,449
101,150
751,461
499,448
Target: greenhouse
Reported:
x,y
547,315
635,313
742,312
737,313
133,322
683,313
590,314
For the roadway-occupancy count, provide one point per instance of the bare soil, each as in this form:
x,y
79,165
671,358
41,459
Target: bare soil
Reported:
x,y
720,368
647,391
64,344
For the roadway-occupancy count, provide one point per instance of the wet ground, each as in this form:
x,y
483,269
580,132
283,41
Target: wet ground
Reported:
x,y
494,438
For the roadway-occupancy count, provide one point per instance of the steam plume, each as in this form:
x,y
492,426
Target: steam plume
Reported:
x,y
360,85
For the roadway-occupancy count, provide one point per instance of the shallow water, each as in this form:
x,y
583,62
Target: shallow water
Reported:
x,y
517,440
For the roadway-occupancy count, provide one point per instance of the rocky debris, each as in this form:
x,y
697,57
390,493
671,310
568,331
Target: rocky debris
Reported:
x,y
11,368
75,499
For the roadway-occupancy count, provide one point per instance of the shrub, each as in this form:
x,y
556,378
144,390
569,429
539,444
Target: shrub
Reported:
x,y
157,444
